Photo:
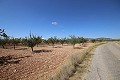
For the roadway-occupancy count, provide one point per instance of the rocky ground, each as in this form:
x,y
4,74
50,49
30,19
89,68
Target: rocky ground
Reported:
x,y
22,64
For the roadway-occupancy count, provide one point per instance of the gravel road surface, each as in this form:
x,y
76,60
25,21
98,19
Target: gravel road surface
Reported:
x,y
106,63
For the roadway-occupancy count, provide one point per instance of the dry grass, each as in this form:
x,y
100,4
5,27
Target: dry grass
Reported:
x,y
118,42
69,67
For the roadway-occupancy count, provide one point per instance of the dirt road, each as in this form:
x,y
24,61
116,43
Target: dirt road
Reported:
x,y
106,63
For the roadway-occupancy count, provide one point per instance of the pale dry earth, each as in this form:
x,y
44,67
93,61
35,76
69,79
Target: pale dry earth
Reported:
x,y
22,64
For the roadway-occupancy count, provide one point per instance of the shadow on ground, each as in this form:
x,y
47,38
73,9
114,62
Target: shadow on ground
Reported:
x,y
43,50
10,59
78,48
21,49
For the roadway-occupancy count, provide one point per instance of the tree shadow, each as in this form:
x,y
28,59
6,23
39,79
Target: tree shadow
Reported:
x,y
57,46
21,49
10,59
65,44
40,51
78,48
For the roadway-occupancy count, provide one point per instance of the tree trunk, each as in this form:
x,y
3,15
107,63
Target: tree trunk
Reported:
x,y
14,46
83,43
3,46
32,49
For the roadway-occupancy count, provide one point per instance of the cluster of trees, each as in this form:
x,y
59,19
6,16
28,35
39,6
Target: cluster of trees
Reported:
x,y
33,40
103,39
30,41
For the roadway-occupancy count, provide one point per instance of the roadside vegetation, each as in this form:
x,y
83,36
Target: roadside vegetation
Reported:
x,y
65,71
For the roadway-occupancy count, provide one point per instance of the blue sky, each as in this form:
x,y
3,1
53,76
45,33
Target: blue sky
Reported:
x,y
87,18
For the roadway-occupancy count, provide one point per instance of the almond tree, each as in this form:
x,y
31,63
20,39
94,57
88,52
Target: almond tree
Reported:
x,y
62,41
24,41
15,41
52,40
73,40
79,39
93,40
45,41
38,40
83,40
3,38
30,41
2,42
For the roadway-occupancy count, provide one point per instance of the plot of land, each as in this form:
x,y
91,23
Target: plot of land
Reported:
x,y
26,65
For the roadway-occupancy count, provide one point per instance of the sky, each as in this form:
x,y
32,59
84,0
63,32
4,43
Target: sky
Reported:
x,y
61,18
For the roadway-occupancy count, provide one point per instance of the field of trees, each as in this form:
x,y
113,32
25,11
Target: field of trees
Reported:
x,y
33,57
34,40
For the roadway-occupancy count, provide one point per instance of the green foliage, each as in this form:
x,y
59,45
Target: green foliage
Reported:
x,y
38,39
2,33
73,40
30,41
100,40
24,41
2,42
83,40
93,40
45,41
62,41
80,39
67,41
52,40
15,41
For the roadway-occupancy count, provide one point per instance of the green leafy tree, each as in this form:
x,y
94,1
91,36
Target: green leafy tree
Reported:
x,y
62,41
3,38
100,39
73,40
67,41
93,40
2,42
15,41
45,41
83,40
79,39
52,40
30,41
24,41
38,40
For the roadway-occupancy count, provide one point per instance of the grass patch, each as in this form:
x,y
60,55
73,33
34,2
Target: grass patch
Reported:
x,y
69,68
